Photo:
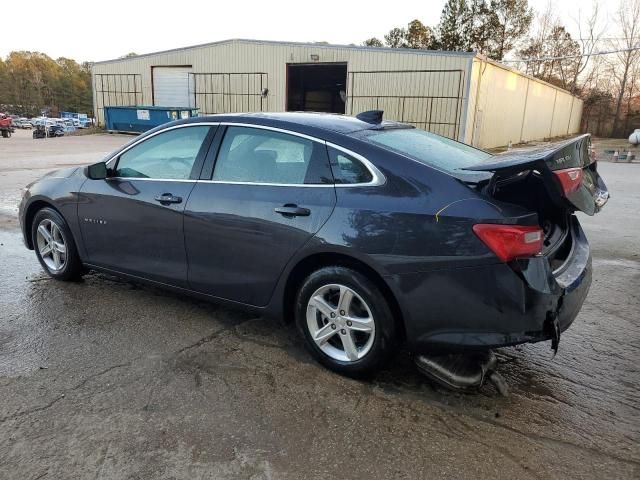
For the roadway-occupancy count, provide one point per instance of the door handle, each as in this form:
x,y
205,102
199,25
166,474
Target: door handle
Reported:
x,y
167,198
290,210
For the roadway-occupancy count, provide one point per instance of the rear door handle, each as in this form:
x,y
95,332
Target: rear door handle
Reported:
x,y
167,198
290,210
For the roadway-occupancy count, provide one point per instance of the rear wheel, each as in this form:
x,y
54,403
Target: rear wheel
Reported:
x,y
345,321
54,245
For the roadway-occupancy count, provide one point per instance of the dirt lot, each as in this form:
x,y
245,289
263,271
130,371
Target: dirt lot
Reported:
x,y
107,379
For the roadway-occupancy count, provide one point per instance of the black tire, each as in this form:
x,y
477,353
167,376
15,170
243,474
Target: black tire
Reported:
x,y
385,337
71,268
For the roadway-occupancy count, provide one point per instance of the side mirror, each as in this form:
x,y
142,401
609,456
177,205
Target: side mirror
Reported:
x,y
97,171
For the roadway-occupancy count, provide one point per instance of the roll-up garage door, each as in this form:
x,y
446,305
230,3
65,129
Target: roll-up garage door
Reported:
x,y
172,86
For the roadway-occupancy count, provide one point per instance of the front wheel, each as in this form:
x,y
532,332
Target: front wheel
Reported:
x,y
345,320
54,245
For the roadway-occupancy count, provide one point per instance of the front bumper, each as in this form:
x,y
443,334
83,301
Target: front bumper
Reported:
x,y
495,305
22,207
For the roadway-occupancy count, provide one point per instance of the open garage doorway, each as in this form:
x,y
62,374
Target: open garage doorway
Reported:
x,y
317,87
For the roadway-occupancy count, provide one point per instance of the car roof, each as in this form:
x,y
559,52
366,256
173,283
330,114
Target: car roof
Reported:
x,y
332,122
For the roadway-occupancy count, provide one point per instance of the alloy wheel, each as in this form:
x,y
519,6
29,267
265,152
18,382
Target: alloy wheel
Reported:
x,y
51,245
340,322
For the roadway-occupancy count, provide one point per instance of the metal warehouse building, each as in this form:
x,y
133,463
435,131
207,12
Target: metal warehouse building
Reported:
x,y
457,94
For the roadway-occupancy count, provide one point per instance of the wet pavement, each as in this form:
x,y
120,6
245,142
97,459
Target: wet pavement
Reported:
x,y
107,379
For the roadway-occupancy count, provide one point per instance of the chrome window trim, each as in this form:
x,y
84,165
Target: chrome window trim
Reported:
x,y
377,177
266,184
144,139
146,179
274,129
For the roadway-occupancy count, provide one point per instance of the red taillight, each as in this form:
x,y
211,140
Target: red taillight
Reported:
x,y
570,179
511,241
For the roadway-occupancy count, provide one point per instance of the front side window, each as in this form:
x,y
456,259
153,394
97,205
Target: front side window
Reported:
x,y
168,155
254,155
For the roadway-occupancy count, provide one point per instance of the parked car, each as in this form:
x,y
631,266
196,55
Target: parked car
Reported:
x,y
54,129
366,232
25,124
6,125
39,131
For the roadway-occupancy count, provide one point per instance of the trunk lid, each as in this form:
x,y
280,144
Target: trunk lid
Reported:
x,y
570,160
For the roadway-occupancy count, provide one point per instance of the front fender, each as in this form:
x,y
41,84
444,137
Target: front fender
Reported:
x,y
60,193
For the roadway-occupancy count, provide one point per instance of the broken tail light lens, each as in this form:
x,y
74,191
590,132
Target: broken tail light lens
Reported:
x,y
509,242
570,179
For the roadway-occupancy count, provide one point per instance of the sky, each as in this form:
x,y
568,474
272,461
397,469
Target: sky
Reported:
x,y
89,30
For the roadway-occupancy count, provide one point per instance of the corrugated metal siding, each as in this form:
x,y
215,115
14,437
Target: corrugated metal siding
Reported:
x,y
496,105
271,59
507,106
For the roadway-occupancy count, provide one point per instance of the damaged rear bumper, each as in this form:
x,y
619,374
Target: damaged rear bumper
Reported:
x,y
496,305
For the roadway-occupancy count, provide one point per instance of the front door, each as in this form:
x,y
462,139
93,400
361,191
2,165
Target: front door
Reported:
x,y
270,193
132,221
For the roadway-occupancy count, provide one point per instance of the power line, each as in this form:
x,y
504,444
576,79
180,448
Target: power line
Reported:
x,y
566,57
596,39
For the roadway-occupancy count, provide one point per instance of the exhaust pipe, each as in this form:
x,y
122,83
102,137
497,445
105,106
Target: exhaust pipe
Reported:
x,y
462,372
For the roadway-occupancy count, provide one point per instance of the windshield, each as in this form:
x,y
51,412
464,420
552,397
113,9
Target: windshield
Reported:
x,y
429,148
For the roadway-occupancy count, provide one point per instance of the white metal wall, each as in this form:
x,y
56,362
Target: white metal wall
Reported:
x,y
507,106
497,105
266,62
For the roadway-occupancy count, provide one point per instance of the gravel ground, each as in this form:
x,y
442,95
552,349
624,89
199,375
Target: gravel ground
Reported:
x,y
108,379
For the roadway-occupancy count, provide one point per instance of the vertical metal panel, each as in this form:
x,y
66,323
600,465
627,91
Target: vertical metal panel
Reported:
x,y
114,89
271,59
488,105
507,106
429,99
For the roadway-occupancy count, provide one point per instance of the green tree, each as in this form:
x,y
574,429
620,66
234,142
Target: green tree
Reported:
x,y
418,35
452,29
478,26
509,22
373,42
396,38
32,81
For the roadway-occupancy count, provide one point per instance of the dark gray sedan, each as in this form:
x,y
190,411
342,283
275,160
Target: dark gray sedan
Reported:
x,y
367,233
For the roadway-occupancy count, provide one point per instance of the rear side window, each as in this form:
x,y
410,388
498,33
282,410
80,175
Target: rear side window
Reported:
x,y
429,148
346,169
254,155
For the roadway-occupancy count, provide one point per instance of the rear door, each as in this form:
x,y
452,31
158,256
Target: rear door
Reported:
x,y
269,192
132,221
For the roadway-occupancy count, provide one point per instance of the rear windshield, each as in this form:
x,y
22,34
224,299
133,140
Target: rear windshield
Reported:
x,y
429,148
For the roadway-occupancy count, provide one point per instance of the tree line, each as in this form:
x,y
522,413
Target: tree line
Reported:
x,y
540,45
32,82
489,27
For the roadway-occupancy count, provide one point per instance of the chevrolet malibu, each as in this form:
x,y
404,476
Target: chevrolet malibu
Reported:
x,y
366,233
